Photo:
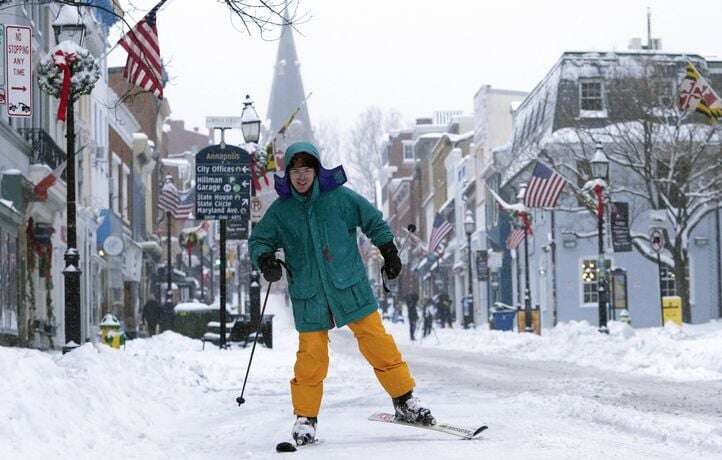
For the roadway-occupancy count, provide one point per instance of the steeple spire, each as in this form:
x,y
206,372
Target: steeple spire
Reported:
x,y
287,91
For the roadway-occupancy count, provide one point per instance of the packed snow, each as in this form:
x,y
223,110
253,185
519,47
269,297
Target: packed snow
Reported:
x,y
569,393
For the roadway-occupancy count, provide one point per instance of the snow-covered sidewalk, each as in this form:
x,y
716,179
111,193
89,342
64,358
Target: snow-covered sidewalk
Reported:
x,y
678,353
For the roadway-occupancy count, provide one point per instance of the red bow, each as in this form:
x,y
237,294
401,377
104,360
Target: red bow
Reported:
x,y
525,221
255,172
599,192
64,61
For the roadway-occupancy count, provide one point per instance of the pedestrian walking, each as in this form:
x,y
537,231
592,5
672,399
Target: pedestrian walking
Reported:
x,y
151,315
411,299
315,220
428,316
444,310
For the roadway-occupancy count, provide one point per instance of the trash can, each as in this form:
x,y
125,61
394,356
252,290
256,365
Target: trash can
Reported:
x,y
503,320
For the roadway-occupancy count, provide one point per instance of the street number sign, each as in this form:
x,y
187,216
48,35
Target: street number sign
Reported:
x,y
18,71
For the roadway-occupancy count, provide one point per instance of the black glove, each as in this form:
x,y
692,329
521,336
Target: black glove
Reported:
x,y
392,263
270,267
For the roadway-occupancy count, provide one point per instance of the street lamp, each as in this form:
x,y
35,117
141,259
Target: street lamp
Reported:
x,y
600,171
250,122
68,26
251,129
600,163
527,291
469,226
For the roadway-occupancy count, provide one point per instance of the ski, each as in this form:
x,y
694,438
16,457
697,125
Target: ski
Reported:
x,y
463,433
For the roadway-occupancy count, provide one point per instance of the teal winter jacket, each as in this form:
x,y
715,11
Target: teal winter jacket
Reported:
x,y
328,284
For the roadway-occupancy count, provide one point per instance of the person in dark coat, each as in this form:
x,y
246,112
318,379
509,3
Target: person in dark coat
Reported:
x,y
428,315
411,300
444,309
151,315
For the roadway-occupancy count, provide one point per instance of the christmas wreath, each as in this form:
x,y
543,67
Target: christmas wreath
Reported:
x,y
67,71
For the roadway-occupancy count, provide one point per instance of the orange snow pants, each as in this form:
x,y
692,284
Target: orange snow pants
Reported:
x,y
375,344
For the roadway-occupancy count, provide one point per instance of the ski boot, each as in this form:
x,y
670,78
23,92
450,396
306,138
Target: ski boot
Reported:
x,y
408,409
304,430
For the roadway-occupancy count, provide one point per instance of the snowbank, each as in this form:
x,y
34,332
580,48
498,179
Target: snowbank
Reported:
x,y
686,353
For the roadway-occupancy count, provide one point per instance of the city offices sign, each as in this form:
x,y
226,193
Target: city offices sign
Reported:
x,y
223,184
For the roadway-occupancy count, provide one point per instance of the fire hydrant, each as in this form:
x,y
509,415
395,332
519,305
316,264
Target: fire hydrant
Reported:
x,y
110,332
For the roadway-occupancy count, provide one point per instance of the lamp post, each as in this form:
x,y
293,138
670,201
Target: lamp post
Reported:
x,y
600,172
68,25
469,226
251,129
528,327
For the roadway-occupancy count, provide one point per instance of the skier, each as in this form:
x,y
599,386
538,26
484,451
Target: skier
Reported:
x,y
411,299
314,220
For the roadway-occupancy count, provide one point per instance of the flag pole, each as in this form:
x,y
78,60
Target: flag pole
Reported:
x,y
169,267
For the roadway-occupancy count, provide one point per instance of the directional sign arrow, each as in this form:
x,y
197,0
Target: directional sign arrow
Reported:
x,y
244,202
19,88
245,169
245,183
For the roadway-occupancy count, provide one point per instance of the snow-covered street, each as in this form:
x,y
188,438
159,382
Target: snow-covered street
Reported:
x,y
166,398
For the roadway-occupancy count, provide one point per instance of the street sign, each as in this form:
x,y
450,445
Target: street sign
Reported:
x,y
18,71
223,122
621,238
482,265
223,183
256,209
237,230
656,238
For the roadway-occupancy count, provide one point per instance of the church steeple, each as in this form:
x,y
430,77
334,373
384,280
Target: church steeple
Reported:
x,y
287,91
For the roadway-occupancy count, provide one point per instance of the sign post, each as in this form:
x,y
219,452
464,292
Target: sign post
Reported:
x,y
18,71
656,239
2,63
223,189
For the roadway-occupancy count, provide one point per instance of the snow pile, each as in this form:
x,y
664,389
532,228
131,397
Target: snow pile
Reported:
x,y
686,353
98,400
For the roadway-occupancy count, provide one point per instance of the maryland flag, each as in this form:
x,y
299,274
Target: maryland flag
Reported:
x,y
695,93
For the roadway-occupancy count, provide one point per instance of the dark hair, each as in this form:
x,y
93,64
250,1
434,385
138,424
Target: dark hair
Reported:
x,y
304,159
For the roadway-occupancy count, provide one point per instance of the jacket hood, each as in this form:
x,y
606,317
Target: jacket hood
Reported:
x,y
328,179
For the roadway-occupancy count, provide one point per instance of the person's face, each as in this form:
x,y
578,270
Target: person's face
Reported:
x,y
302,178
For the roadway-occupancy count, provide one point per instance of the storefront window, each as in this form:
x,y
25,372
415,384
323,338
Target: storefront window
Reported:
x,y
589,281
8,281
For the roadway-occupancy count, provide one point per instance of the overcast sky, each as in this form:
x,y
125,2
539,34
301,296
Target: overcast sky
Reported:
x,y
415,56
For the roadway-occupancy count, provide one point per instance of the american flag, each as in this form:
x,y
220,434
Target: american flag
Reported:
x,y
144,67
515,238
186,204
169,200
440,229
544,188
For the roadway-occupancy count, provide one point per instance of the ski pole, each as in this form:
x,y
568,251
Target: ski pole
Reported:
x,y
240,399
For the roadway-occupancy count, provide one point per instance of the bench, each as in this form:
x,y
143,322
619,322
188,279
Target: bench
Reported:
x,y
240,331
